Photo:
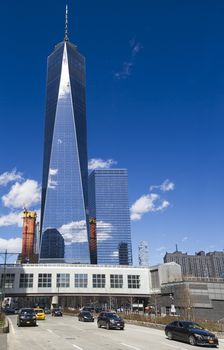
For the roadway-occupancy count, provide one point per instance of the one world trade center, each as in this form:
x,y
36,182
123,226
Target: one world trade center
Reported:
x,y
64,216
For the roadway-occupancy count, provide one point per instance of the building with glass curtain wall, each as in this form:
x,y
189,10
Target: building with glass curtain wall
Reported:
x,y
65,175
109,209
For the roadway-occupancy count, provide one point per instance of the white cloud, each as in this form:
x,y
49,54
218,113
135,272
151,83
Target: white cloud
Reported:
x,y
97,163
104,230
184,239
136,48
151,202
51,182
22,194
127,66
53,171
166,186
147,203
144,204
115,254
13,245
15,219
165,204
12,176
12,219
74,232
125,71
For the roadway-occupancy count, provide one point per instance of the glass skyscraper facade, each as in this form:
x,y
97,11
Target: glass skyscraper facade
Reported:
x,y
110,217
65,172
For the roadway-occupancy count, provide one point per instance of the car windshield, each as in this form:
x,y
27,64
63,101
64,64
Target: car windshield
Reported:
x,y
86,313
113,316
27,312
194,326
57,310
38,311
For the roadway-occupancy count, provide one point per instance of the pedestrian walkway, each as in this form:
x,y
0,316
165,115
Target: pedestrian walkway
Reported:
x,y
3,341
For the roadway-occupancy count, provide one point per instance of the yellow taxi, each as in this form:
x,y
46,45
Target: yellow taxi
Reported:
x,y
40,315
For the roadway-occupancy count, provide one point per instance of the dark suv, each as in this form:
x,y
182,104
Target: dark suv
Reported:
x,y
110,320
56,312
26,317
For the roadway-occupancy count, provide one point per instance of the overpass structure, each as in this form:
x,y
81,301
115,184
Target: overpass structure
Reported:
x,y
70,282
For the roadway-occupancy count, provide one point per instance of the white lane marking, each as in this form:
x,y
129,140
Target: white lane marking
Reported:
x,y
50,331
77,347
130,346
11,325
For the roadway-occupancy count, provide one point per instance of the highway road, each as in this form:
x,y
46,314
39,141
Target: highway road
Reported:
x,y
67,333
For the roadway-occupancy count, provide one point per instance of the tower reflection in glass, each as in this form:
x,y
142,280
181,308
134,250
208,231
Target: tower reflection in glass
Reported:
x,y
64,185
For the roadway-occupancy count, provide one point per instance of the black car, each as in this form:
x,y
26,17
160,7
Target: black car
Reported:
x,y
56,312
110,320
26,317
9,311
47,311
85,316
190,332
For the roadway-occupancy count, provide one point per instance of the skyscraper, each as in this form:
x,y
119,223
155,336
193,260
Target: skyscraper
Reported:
x,y
143,253
109,209
65,175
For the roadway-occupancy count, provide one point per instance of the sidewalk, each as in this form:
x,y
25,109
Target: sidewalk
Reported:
x,y
3,341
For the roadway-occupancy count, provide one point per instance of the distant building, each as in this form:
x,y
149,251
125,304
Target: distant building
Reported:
x,y
29,237
53,246
108,205
200,264
143,253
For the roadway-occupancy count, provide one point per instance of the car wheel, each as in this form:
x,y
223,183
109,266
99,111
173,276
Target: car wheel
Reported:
x,y
98,325
170,335
108,326
192,340
122,328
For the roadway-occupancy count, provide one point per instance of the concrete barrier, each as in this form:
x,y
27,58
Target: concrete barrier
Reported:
x,y
146,324
5,328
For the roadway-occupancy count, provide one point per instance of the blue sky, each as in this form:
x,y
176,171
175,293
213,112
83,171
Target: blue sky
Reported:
x,y
155,105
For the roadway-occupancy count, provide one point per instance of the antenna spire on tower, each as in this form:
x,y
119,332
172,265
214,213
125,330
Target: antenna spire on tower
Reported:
x,y
66,23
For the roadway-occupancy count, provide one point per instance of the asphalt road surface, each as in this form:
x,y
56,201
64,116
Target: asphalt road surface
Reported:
x,y
67,333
